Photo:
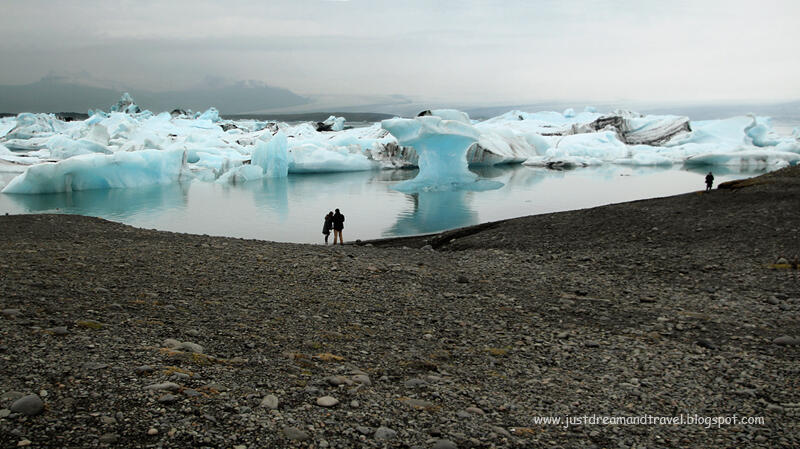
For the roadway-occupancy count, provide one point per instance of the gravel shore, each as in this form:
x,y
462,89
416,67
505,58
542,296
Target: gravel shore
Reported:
x,y
112,336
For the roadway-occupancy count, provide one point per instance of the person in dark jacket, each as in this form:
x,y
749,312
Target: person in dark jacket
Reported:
x,y
327,226
709,181
338,225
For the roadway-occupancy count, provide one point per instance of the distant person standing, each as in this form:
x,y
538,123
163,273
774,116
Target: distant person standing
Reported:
x,y
327,226
338,225
709,181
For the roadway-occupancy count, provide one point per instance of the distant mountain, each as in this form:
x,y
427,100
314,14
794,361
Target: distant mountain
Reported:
x,y
52,94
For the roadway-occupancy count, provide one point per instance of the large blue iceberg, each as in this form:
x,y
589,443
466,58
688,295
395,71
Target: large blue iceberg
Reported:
x,y
441,145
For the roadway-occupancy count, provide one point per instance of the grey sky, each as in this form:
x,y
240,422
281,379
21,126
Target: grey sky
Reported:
x,y
481,51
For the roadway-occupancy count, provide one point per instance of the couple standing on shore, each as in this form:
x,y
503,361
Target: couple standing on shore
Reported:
x,y
333,221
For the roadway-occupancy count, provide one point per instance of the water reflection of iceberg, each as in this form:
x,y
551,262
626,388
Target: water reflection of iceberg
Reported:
x,y
434,211
109,203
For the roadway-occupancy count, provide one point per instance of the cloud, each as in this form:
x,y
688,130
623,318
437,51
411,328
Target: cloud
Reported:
x,y
455,49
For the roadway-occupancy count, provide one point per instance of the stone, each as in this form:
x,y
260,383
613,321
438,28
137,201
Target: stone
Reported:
x,y
23,443
327,401
59,331
444,444
109,438
501,431
362,379
168,398
474,410
30,405
168,386
706,343
11,313
293,433
4,413
462,279
385,434
786,341
270,401
775,408
339,380
152,431
144,369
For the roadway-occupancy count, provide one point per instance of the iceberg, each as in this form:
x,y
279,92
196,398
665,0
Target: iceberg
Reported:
x,y
96,171
441,145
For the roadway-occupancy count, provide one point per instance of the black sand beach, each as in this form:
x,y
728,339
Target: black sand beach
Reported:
x,y
660,308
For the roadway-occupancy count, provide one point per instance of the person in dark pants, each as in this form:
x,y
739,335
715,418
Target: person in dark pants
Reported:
x,y
338,225
709,181
327,226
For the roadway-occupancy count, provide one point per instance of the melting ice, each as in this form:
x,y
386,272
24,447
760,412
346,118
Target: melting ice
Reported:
x,y
128,147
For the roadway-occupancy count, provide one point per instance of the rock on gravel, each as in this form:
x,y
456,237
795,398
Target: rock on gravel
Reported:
x,y
327,401
385,434
270,401
29,405
293,433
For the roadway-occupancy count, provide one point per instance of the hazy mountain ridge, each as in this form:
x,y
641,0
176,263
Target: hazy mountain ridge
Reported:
x,y
52,94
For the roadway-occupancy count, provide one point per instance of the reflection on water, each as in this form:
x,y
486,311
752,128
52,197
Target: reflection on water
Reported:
x,y
434,211
292,209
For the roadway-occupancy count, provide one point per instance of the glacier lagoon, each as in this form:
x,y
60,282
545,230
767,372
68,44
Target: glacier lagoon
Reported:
x,y
290,209
200,173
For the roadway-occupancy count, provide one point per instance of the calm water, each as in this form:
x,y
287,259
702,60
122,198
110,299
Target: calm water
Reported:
x,y
292,209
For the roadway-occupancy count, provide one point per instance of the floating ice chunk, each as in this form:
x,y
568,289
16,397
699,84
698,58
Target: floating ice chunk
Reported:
x,y
332,123
569,113
447,114
62,147
311,158
100,171
6,125
761,134
126,105
272,156
30,125
604,146
442,148
747,158
590,109
241,174
212,115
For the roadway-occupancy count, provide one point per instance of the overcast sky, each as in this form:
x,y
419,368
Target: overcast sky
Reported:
x,y
483,51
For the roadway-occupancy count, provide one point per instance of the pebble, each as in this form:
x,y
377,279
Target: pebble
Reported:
x,y
152,431
30,405
327,401
4,413
59,331
339,380
11,313
293,433
270,401
168,398
786,341
144,369
706,343
444,444
385,434
168,386
774,408
362,379
109,438
23,443
474,410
